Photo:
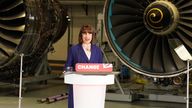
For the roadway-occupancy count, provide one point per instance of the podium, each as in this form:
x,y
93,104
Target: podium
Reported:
x,y
89,89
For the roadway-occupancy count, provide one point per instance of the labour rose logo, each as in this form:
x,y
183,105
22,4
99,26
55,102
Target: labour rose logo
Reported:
x,y
107,65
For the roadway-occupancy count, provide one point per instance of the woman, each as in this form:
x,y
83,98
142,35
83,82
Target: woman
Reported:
x,y
83,52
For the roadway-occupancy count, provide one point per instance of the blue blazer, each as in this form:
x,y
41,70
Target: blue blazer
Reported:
x,y
76,54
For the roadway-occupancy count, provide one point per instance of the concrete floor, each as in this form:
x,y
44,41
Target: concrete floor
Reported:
x,y
8,99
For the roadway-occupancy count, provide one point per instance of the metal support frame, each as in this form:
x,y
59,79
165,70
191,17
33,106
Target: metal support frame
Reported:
x,y
118,96
20,81
171,98
41,74
187,96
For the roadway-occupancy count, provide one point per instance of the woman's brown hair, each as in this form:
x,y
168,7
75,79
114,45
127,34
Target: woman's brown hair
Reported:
x,y
86,29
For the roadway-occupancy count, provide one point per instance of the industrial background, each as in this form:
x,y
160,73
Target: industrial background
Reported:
x,y
139,37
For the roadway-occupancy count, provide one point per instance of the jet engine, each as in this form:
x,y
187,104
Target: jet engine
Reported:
x,y
29,27
141,33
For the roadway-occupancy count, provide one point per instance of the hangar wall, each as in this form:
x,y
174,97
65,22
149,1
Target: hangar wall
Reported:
x,y
79,15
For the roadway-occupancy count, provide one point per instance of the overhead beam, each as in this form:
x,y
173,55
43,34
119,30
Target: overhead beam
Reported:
x,y
80,2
